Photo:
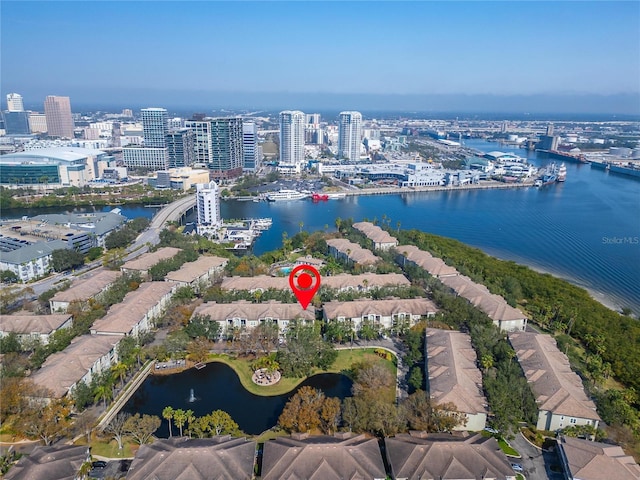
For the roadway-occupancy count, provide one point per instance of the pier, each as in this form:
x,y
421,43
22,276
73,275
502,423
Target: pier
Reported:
x,y
396,190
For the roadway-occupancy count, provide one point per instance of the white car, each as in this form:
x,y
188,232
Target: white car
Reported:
x,y
517,467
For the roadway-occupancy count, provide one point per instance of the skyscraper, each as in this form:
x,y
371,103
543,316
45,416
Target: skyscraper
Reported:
x,y
208,205
250,146
154,127
349,135
292,137
14,102
226,146
16,123
181,148
57,110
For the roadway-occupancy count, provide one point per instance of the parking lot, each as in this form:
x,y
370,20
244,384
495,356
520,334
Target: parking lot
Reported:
x,y
116,469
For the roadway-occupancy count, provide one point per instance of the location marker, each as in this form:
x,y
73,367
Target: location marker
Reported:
x,y
304,281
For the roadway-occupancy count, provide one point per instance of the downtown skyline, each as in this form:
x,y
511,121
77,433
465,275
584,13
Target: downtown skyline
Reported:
x,y
426,56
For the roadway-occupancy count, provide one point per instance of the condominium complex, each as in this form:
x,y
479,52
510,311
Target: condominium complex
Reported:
x,y
250,147
226,144
180,145
292,137
59,119
349,135
208,205
154,127
37,122
147,158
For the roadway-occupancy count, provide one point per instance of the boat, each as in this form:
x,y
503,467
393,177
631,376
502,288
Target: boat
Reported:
x,y
561,173
285,195
317,197
537,183
335,196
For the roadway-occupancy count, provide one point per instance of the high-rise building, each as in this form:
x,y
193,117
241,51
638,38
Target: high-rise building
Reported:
x,y
154,127
14,102
349,135
147,158
226,143
250,147
208,205
37,122
202,147
16,123
292,137
312,119
59,119
181,147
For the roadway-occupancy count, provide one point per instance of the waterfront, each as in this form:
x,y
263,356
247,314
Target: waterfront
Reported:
x,y
217,387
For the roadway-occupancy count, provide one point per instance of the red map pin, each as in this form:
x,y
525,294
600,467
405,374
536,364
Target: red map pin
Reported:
x,y
304,281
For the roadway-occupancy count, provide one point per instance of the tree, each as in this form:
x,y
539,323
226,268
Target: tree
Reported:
x,y
47,423
119,371
103,392
8,276
416,378
65,259
94,253
82,395
13,296
221,423
117,429
416,409
330,414
302,411
167,414
180,417
141,428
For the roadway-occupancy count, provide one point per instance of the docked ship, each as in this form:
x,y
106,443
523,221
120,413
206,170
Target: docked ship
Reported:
x,y
284,195
562,173
552,174
319,197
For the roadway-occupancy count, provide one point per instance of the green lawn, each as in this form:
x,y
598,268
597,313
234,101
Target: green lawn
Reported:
x,y
343,362
507,449
109,449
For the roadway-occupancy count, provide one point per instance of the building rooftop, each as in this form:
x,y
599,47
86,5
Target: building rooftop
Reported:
x,y
191,271
63,369
337,282
359,308
420,455
27,324
62,154
98,223
59,462
435,266
122,317
31,252
354,251
597,461
375,233
453,374
148,260
247,310
181,458
87,286
556,387
343,456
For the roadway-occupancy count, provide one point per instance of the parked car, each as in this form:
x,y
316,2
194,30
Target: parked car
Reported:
x,y
517,467
98,464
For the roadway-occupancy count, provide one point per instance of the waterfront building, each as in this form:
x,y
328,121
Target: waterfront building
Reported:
x,y
349,136
559,393
16,123
199,274
146,158
59,118
352,253
221,457
154,127
37,122
29,328
54,462
453,377
292,137
89,286
412,255
226,143
202,142
144,262
417,455
380,239
343,455
183,178
393,314
14,102
250,147
586,460
137,312
86,357
244,315
208,206
181,148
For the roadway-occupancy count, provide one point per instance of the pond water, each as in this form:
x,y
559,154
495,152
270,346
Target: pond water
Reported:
x,y
217,387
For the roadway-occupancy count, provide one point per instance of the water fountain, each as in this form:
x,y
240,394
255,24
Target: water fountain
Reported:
x,y
192,397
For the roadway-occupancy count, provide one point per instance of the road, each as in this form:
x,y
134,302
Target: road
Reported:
x,y
536,463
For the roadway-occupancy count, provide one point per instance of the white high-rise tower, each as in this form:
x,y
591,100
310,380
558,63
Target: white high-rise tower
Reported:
x,y
155,127
208,205
349,135
292,137
14,102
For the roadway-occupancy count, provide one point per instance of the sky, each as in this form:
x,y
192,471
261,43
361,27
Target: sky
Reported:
x,y
511,54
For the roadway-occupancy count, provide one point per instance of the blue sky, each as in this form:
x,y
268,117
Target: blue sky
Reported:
x,y
380,48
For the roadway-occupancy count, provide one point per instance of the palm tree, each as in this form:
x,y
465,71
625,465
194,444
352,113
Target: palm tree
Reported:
x,y
167,414
119,370
190,417
180,417
486,361
103,392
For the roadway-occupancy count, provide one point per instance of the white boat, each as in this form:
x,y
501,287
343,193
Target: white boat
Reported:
x,y
283,195
333,196
562,173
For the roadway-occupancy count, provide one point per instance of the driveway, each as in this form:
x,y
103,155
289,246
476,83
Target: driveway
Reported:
x,y
536,463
